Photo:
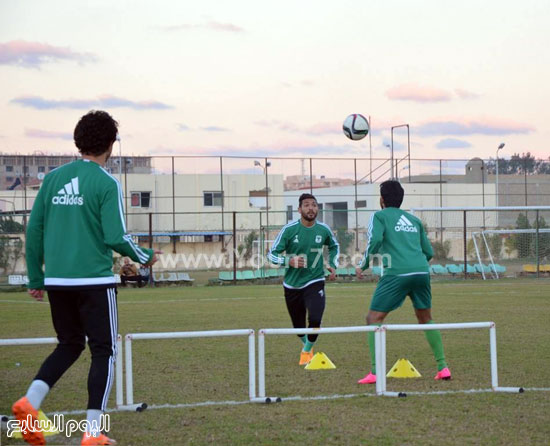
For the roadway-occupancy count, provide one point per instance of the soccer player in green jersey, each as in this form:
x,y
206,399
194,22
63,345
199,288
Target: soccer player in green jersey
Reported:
x,y
399,239
302,241
76,222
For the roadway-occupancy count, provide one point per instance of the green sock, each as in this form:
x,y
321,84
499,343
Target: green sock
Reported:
x,y
436,343
303,339
308,345
372,352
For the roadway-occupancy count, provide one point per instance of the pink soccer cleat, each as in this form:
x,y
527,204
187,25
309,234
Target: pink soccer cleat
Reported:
x,y
368,379
443,374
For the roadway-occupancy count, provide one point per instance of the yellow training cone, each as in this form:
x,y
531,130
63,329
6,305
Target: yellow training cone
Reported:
x,y
403,369
320,361
44,421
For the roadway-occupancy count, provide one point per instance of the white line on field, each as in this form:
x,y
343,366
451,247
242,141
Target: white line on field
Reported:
x,y
300,398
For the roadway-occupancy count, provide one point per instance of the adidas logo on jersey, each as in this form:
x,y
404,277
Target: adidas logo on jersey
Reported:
x,y
68,195
405,225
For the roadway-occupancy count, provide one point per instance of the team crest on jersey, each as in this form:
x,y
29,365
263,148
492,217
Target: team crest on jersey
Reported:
x,y
296,239
318,239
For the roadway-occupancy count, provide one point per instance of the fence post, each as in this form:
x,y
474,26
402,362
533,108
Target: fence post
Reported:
x,y
440,202
151,281
483,190
234,248
223,202
310,176
173,207
355,206
525,178
537,241
465,249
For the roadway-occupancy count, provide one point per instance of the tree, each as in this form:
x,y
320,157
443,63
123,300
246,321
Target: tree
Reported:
x,y
9,226
246,248
518,165
345,239
11,250
441,250
522,242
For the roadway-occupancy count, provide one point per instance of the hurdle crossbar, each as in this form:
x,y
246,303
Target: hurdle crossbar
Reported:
x,y
119,389
261,398
130,405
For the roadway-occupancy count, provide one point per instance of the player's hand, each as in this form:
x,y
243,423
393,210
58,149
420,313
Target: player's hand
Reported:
x,y
297,262
154,259
359,273
37,294
332,273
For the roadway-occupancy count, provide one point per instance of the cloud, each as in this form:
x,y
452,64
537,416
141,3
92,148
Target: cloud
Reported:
x,y
479,126
183,127
40,103
417,93
34,54
212,26
465,94
47,134
214,128
453,143
322,128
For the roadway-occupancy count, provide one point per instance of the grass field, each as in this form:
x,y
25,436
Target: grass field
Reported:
x,y
198,370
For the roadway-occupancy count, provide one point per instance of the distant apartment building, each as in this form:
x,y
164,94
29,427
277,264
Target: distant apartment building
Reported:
x,y
297,182
16,169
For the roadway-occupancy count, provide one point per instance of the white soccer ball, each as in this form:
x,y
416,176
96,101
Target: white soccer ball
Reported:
x,y
356,127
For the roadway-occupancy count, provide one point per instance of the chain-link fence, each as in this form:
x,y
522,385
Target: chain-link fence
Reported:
x,y
205,204
490,242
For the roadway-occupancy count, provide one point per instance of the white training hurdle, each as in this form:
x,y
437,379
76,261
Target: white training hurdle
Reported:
x,y
261,398
130,405
39,341
380,351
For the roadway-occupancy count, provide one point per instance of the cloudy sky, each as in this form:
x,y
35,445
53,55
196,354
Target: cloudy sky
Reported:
x,y
250,77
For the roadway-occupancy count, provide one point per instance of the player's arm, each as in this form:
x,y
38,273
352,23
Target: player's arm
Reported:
x,y
333,253
375,237
34,246
426,245
275,254
114,228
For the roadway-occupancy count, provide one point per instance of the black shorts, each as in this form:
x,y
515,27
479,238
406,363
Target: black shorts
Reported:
x,y
308,301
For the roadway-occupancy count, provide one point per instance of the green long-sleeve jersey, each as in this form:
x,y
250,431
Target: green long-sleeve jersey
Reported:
x,y
400,240
295,239
76,222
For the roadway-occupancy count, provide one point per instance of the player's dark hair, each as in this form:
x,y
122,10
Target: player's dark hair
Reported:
x,y
95,132
392,192
305,197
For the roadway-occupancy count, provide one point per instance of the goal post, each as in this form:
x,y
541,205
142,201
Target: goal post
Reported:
x,y
489,242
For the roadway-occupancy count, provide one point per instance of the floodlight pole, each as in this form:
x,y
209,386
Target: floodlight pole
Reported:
x,y
408,149
370,152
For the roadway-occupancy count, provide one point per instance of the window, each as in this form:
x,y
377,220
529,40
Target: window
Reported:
x,y
140,199
213,198
9,168
360,204
41,169
208,238
9,179
50,168
289,213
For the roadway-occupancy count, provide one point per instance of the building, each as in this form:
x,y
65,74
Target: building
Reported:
x,y
297,182
16,169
